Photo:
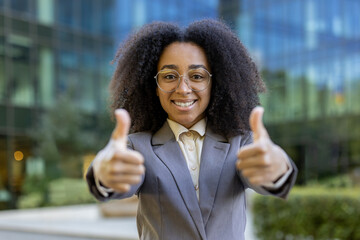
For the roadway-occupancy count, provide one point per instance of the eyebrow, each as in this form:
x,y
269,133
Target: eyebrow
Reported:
x,y
193,66
196,66
171,66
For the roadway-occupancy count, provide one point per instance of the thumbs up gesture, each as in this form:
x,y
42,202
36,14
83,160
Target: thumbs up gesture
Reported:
x,y
116,166
261,162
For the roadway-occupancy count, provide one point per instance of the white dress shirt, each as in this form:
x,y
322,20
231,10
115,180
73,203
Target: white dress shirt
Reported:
x,y
190,142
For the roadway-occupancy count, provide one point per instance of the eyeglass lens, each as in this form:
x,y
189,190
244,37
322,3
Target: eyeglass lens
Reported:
x,y
169,80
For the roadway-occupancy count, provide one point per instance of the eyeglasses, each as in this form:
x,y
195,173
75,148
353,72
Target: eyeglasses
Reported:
x,y
168,80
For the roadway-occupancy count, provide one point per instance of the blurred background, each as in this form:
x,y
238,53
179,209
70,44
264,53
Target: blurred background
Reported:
x,y
55,66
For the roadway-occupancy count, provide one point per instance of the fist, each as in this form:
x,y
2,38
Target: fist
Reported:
x,y
116,166
261,162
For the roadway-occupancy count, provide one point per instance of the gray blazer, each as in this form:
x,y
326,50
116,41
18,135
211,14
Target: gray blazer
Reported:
x,y
168,206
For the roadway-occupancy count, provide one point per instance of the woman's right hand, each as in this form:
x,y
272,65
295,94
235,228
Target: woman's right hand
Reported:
x,y
116,166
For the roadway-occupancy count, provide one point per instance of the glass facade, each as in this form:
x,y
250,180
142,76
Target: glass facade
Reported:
x,y
48,48
316,46
308,52
309,55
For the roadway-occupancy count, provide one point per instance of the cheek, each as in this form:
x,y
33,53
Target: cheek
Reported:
x,y
207,97
164,98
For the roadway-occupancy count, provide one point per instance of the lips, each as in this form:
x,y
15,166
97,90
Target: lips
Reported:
x,y
184,104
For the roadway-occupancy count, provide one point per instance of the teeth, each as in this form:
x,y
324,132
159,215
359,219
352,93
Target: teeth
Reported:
x,y
184,104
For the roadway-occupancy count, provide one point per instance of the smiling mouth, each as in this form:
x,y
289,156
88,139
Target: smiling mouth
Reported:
x,y
184,104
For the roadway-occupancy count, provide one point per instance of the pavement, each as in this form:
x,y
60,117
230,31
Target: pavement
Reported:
x,y
78,222
68,222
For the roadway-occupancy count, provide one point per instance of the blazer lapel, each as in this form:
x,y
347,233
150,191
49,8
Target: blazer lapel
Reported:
x,y
214,152
170,154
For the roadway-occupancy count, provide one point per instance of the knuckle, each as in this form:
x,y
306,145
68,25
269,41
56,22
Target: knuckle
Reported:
x,y
118,155
137,179
238,164
262,148
246,172
116,168
139,157
266,161
256,181
123,187
141,169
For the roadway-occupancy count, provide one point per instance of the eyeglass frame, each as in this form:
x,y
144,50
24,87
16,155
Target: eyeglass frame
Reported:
x,y
186,81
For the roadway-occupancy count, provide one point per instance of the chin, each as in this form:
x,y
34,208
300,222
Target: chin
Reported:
x,y
186,122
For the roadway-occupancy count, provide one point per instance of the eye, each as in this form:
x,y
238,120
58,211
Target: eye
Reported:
x,y
197,77
168,76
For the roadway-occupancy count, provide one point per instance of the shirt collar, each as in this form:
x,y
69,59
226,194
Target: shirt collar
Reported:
x,y
178,129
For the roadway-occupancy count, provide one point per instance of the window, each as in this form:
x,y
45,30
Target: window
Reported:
x,y
66,10
45,11
46,72
87,16
2,71
67,70
20,5
22,89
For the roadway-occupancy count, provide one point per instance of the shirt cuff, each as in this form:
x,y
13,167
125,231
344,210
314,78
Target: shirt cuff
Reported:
x,y
103,190
280,182
103,155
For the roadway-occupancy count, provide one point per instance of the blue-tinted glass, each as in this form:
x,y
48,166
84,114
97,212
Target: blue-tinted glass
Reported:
x,y
68,59
68,76
22,88
171,9
107,16
124,18
86,96
107,57
1,3
66,37
89,55
66,12
156,13
20,5
87,15
2,71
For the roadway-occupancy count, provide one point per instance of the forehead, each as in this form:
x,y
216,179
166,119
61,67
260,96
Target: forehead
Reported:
x,y
183,54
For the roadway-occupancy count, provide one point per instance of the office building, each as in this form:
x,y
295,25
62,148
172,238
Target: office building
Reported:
x,y
308,52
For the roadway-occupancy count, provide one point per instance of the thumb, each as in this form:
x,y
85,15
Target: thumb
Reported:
x,y
122,127
256,123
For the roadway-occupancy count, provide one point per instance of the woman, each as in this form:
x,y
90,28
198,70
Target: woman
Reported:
x,y
192,153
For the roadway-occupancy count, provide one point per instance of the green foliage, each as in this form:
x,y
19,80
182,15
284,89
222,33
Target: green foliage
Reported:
x,y
34,184
34,190
66,191
64,134
309,213
339,181
63,191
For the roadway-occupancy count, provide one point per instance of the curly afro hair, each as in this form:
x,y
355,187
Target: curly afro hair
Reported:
x,y
235,83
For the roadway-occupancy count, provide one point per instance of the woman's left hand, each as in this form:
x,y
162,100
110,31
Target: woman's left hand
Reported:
x,y
261,162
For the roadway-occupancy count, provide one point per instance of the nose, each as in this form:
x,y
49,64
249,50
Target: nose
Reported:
x,y
183,87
